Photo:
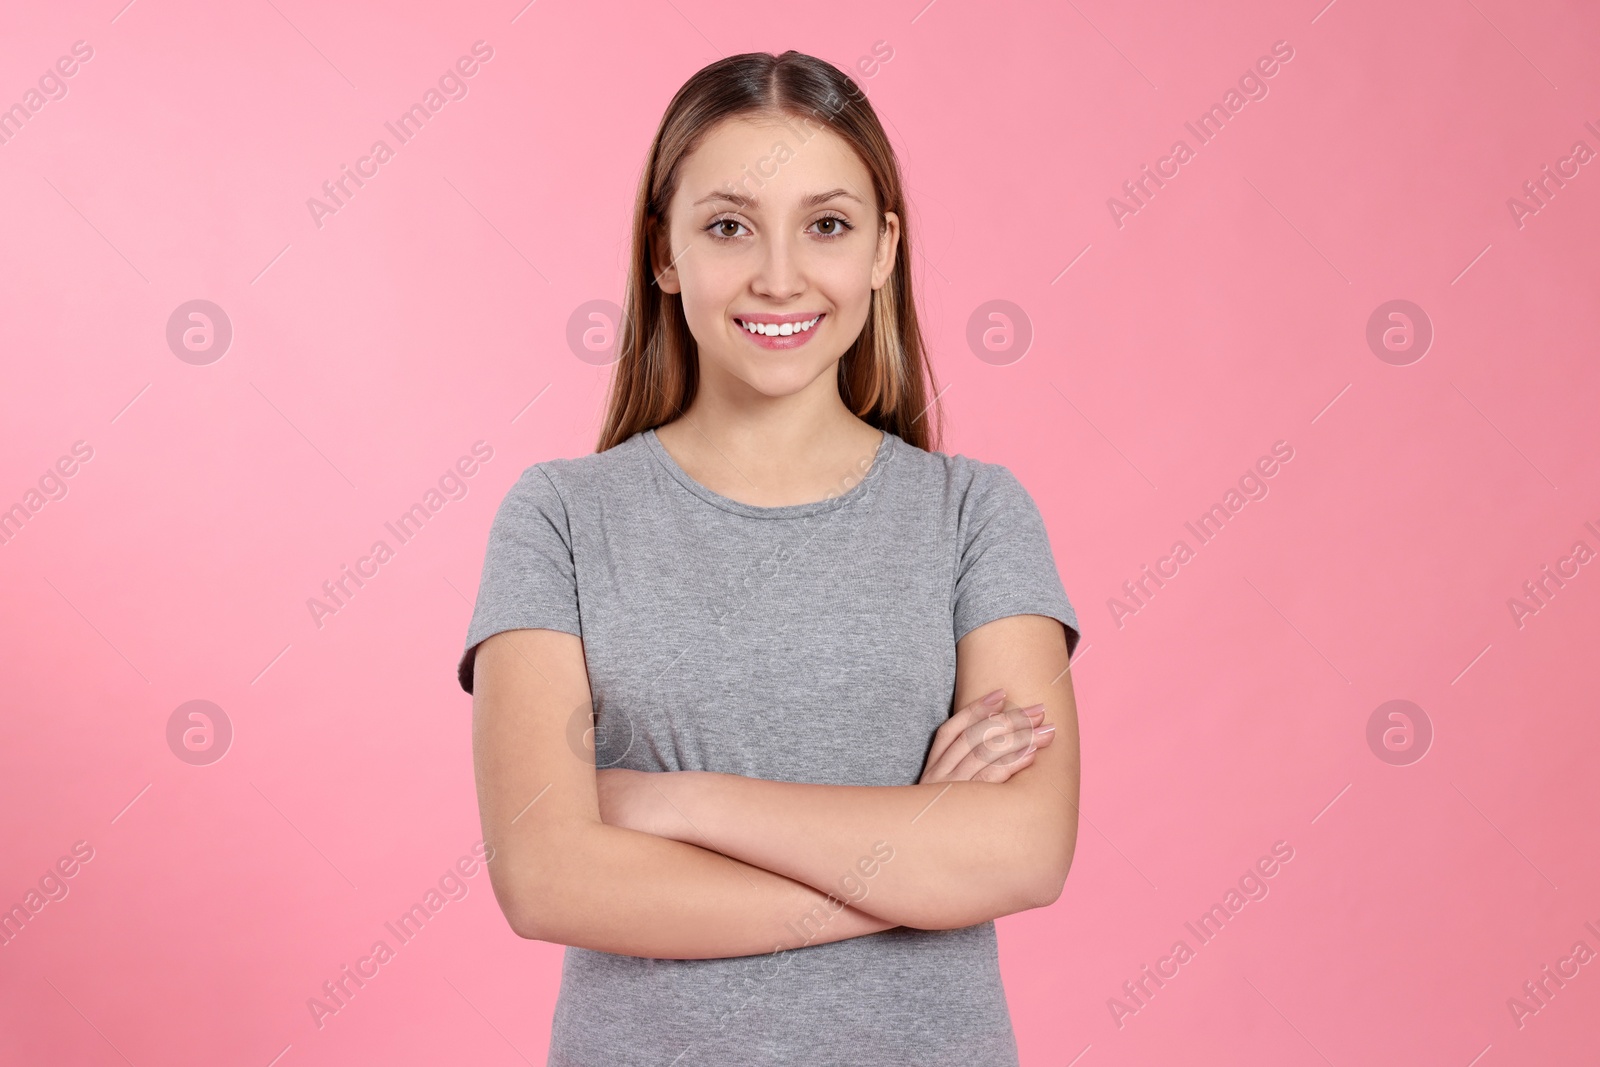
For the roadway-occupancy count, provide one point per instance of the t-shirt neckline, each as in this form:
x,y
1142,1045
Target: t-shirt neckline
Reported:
x,y
886,449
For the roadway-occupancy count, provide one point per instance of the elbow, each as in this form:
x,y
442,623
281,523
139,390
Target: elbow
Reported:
x,y
1033,886
1045,890
532,893
521,904
549,908
547,935
1036,880
526,918
1047,874
535,914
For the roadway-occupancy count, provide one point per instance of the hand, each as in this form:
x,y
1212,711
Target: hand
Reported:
x,y
986,742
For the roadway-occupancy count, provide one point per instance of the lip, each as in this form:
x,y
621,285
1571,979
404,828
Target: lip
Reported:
x,y
794,340
793,316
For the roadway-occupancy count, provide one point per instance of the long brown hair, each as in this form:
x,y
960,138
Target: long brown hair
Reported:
x,y
885,377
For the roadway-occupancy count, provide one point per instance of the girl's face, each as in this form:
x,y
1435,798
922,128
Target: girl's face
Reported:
x,y
770,227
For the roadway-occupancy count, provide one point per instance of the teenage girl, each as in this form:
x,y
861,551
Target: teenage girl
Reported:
x,y
716,660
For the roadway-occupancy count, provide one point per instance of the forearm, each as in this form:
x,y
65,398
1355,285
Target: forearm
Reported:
x,y
963,851
622,891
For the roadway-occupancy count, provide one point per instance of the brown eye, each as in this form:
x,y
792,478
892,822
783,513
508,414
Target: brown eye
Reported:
x,y
725,229
832,226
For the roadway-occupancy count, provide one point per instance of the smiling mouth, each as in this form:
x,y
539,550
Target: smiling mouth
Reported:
x,y
779,329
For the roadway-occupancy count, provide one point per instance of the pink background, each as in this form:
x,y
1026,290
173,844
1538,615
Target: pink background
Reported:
x,y
1228,313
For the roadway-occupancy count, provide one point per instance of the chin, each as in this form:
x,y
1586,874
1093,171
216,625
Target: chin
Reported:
x,y
777,385
777,377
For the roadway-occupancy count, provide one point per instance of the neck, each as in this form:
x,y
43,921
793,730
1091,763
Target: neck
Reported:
x,y
769,450
775,427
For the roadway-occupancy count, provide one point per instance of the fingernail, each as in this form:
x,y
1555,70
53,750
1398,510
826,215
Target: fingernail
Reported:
x,y
1034,713
1044,731
996,697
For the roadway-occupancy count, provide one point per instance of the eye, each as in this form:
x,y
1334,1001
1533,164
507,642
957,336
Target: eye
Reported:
x,y
720,228
833,225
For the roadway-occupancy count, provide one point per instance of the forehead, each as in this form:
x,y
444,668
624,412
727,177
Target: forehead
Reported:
x,y
744,152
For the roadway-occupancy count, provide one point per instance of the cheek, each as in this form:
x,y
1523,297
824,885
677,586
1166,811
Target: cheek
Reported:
x,y
847,284
710,271
708,287
851,274
848,288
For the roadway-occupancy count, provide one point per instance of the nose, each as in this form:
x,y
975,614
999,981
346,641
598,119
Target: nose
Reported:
x,y
779,276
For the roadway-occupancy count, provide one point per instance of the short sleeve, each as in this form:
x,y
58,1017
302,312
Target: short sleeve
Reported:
x,y
1006,566
529,579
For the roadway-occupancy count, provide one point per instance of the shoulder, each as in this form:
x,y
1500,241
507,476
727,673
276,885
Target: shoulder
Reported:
x,y
566,480
967,484
556,494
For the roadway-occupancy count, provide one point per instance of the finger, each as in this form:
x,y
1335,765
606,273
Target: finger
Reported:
x,y
996,745
962,719
974,731
994,755
1008,766
990,738
1003,771
997,735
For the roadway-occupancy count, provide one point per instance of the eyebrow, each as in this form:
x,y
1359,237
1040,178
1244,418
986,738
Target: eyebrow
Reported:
x,y
740,200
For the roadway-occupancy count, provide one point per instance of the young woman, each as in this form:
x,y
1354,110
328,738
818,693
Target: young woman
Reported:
x,y
716,660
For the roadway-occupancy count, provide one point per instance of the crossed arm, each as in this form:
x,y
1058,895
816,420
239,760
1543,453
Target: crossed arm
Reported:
x,y
698,864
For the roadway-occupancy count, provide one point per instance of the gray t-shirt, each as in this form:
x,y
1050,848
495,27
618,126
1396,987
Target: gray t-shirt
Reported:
x,y
804,643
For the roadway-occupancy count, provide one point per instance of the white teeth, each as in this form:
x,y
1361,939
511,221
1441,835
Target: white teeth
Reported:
x,y
773,329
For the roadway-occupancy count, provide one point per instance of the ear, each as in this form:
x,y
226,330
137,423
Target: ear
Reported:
x,y
884,259
662,263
